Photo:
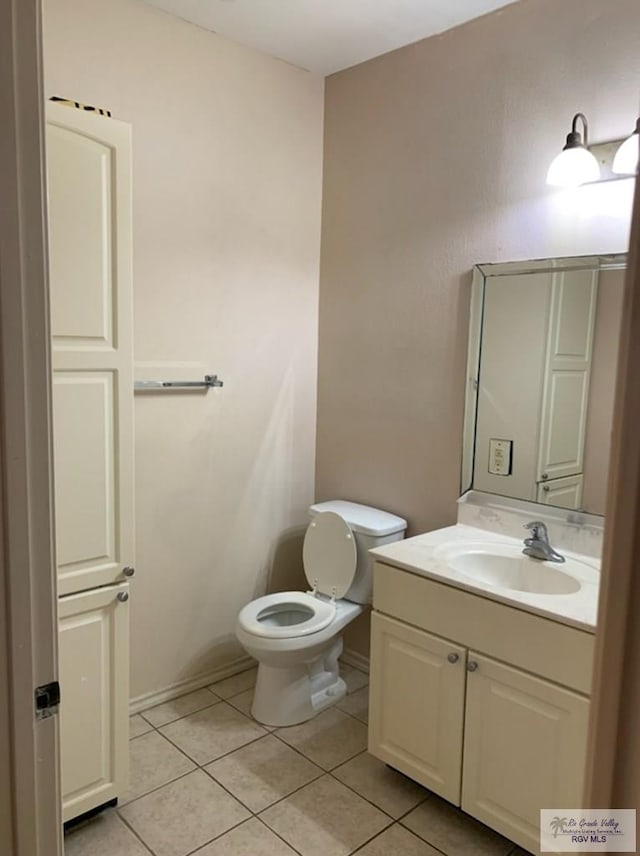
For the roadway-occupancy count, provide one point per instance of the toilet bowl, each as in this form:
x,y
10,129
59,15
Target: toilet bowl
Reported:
x,y
296,637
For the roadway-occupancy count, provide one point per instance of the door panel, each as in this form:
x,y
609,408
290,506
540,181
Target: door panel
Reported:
x,y
564,493
567,373
417,703
86,479
89,179
94,686
81,238
524,749
567,399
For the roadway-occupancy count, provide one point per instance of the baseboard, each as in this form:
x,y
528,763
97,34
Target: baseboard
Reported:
x,y
142,702
358,661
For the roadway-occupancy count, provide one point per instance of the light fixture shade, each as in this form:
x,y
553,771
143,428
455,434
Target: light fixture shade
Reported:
x,y
572,167
626,159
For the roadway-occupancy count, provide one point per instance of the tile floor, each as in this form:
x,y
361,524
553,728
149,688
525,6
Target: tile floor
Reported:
x,y
209,781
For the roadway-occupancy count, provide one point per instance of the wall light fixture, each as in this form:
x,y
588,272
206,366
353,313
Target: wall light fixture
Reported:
x,y
581,163
626,159
575,164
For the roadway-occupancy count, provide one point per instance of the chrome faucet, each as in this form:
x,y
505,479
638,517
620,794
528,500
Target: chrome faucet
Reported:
x,y
538,546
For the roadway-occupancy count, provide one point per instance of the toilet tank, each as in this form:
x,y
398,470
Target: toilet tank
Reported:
x,y
371,528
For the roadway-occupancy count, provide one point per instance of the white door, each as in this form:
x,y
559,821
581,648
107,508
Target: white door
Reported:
x,y
564,493
524,749
94,679
29,773
567,373
417,704
89,183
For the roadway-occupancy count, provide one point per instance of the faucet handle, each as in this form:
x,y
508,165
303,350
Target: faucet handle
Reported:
x,y
538,528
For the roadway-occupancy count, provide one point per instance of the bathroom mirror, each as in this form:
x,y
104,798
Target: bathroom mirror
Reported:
x,y
543,350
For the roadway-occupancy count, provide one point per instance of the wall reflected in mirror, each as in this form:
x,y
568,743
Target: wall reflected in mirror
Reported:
x,y
543,351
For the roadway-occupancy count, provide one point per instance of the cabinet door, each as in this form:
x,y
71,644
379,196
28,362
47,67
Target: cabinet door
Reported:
x,y
94,687
564,493
524,749
89,188
417,704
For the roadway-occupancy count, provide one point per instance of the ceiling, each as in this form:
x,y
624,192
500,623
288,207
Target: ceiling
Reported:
x,y
325,36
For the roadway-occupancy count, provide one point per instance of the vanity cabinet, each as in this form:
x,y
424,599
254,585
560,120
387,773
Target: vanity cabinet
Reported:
x,y
483,703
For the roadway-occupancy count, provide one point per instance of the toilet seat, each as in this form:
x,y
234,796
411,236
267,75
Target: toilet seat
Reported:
x,y
274,615
329,556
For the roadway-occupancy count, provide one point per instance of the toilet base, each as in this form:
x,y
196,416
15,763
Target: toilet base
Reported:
x,y
289,695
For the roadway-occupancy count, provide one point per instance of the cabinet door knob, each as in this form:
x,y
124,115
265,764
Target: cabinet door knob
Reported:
x,y
545,476
472,666
452,657
128,571
123,596
546,488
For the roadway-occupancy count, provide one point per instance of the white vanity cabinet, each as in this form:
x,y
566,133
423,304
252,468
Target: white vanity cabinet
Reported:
x,y
483,703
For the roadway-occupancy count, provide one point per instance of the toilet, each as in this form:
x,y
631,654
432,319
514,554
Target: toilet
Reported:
x,y
296,637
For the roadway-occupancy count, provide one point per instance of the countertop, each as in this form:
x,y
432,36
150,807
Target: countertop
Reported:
x,y
416,555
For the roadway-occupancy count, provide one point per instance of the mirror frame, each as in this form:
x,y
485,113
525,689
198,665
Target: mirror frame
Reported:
x,y
481,273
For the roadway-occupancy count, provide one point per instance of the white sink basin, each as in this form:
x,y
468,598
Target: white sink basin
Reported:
x,y
505,566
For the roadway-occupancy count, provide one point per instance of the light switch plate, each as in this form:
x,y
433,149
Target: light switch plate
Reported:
x,y
500,457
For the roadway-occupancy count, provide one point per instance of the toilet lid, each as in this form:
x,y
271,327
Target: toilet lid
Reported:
x,y
329,554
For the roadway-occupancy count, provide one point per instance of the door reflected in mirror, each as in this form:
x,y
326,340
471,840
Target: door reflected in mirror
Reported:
x,y
543,351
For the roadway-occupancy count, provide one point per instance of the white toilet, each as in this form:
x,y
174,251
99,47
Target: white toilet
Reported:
x,y
296,637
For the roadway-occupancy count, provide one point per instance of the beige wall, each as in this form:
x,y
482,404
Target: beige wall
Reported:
x,y
227,186
602,389
435,159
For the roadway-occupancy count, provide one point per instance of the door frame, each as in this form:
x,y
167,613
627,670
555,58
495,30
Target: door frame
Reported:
x,y
30,822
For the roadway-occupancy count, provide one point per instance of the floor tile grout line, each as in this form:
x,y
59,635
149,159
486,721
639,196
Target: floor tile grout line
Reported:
x,y
122,806
258,815
215,838
273,832
373,838
366,799
286,796
417,835
429,795
183,695
237,798
204,764
295,749
184,715
181,751
133,832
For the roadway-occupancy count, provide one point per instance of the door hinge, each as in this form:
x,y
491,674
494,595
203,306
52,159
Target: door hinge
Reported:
x,y
47,700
